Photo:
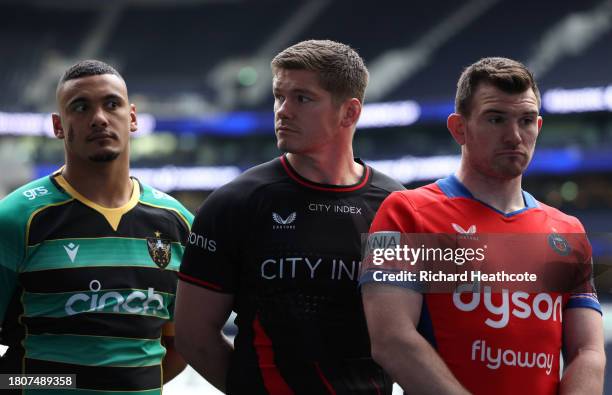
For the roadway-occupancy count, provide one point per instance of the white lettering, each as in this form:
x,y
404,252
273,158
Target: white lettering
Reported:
x,y
494,358
463,288
263,265
313,268
517,304
134,295
114,301
202,242
502,310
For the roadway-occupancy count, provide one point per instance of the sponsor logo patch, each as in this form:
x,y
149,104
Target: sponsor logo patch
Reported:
x,y
33,193
284,223
72,250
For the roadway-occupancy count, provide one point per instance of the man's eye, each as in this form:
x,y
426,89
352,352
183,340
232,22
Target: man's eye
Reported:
x,y
528,121
495,120
79,107
303,99
112,104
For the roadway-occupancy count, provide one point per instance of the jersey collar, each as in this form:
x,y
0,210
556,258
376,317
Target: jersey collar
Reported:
x,y
112,215
365,178
453,188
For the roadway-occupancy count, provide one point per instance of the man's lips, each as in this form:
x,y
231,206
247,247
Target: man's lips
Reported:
x,y
511,153
285,129
101,136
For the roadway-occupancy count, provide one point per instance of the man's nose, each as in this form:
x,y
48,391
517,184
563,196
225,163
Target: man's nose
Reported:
x,y
283,110
99,118
513,134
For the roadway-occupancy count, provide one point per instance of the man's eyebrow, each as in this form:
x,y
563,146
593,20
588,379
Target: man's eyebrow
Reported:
x,y
113,96
299,91
494,111
78,99
502,112
304,91
85,99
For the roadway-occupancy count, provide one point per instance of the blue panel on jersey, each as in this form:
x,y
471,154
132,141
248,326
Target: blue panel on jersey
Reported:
x,y
452,188
584,300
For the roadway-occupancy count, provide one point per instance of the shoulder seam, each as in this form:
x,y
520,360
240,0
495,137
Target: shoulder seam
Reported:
x,y
174,210
31,218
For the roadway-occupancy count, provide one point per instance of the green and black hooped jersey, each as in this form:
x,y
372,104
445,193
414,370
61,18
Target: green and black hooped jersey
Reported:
x,y
86,290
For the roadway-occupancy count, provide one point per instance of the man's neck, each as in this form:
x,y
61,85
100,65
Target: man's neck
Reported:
x,y
340,169
105,184
503,194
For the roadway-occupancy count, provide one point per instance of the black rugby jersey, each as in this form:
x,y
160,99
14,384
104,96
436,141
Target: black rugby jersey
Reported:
x,y
289,251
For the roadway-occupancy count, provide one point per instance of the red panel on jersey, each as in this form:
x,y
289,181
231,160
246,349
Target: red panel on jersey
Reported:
x,y
494,343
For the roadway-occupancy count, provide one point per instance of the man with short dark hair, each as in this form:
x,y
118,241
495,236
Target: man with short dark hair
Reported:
x,y
280,245
89,255
484,341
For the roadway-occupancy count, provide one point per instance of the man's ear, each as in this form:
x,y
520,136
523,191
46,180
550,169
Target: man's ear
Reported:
x,y
351,112
58,129
456,126
540,121
133,118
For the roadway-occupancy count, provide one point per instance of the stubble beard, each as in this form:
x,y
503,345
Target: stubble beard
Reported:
x,y
503,171
104,157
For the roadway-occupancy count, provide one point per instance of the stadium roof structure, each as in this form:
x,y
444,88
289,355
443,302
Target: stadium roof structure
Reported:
x,y
192,57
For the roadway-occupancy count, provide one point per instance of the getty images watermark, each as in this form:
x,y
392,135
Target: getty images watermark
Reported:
x,y
441,262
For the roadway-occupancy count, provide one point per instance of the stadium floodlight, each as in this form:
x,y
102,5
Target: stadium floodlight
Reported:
x,y
171,178
39,124
377,115
563,101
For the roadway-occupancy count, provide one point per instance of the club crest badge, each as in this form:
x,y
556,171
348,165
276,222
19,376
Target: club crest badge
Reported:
x,y
559,244
160,250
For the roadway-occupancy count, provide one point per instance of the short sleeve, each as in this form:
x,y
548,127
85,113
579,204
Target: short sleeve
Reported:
x,y
11,256
394,218
211,251
587,297
395,214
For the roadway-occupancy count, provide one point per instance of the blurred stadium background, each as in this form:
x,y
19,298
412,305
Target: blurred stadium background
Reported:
x,y
198,72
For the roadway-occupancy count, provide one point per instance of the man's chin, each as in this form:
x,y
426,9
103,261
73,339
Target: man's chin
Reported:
x,y
510,172
103,157
284,146
511,169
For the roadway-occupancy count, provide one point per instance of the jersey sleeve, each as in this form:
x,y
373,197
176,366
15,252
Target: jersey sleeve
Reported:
x,y
11,254
212,248
394,215
394,218
587,298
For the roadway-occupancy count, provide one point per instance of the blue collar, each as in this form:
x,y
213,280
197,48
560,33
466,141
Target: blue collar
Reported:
x,y
452,187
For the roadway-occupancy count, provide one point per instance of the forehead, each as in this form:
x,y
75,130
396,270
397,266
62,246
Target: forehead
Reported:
x,y
488,97
288,79
92,87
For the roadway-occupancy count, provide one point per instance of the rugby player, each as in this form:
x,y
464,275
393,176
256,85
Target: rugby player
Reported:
x,y
280,245
89,255
435,343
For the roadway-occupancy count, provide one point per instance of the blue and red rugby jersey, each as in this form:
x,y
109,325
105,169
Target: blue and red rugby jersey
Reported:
x,y
493,342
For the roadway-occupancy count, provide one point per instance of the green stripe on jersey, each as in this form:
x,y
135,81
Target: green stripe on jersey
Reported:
x,y
78,391
95,350
131,301
104,251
